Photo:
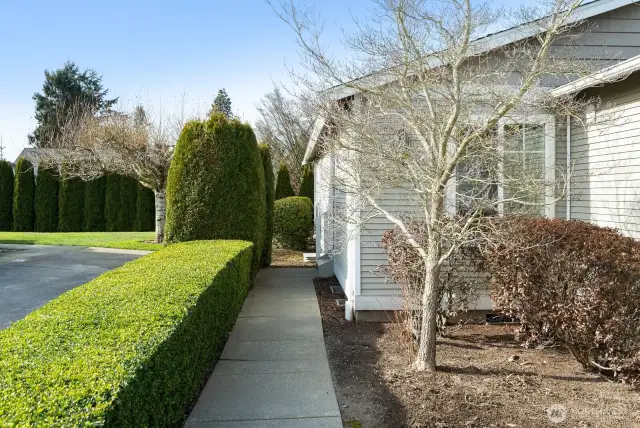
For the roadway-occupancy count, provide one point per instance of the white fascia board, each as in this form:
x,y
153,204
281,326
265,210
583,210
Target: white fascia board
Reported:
x,y
313,140
611,74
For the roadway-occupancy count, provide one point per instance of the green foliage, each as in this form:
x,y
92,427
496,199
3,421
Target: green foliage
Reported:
x,y
215,188
71,205
6,195
112,202
63,91
293,222
24,192
128,195
131,348
270,197
283,183
145,210
94,197
47,185
306,185
125,240
222,104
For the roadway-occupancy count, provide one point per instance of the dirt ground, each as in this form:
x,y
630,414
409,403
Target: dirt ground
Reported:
x,y
288,258
479,382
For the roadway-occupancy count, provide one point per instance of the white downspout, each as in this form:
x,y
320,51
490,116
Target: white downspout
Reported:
x,y
568,175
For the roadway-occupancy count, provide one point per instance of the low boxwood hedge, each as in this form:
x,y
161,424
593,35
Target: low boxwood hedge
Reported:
x,y
293,222
131,348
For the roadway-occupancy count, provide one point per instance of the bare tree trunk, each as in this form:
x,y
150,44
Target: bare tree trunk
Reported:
x,y
426,359
161,208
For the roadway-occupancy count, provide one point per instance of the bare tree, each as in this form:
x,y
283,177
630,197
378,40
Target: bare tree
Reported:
x,y
90,146
427,111
286,128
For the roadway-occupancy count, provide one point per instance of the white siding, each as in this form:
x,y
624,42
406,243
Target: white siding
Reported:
x,y
606,158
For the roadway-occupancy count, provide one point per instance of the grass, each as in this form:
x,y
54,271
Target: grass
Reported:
x,y
123,240
281,257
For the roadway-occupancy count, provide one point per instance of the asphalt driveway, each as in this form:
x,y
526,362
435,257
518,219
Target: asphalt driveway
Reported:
x,y
31,275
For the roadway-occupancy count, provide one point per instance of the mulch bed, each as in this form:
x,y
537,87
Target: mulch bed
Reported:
x,y
476,384
288,258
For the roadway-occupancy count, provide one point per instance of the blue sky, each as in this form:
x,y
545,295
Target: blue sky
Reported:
x,y
155,52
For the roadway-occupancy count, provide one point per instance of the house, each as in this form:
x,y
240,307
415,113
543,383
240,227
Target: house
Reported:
x,y
608,195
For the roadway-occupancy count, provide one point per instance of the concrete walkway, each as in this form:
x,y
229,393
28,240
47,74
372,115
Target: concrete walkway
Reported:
x,y
274,370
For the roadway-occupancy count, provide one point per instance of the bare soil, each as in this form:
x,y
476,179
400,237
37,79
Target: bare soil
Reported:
x,y
484,379
288,258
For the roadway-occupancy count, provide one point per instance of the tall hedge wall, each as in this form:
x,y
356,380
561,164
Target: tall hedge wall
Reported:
x,y
47,186
270,197
132,348
145,210
112,202
6,195
94,198
71,205
24,192
215,188
128,195
283,183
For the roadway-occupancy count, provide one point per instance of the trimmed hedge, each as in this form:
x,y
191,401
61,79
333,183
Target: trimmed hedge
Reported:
x,y
112,202
94,195
306,185
131,348
283,183
6,195
71,205
24,192
47,185
145,210
215,187
128,195
293,222
270,198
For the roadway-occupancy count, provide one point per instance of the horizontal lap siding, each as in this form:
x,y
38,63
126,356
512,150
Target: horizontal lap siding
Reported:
x,y
606,156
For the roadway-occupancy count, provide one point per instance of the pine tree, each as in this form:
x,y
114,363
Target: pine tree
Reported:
x,y
283,183
47,185
222,104
306,185
6,195
24,192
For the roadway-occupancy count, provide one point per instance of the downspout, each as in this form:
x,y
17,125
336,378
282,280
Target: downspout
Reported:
x,y
568,175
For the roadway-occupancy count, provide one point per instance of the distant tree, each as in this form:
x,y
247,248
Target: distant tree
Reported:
x,y
283,183
62,92
6,195
286,127
222,103
306,185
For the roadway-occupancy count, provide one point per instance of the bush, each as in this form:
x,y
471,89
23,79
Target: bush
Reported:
x,y
574,282
6,195
94,197
306,185
112,214
71,205
270,197
131,348
460,278
46,204
283,183
215,188
128,202
293,222
24,192
145,210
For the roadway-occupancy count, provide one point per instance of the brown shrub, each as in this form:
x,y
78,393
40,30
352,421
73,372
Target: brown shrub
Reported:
x,y
574,282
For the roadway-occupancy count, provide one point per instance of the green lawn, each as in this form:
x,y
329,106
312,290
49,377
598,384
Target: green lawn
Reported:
x,y
124,240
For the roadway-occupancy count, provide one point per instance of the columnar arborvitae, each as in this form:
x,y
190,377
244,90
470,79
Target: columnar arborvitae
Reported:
x,y
24,192
71,205
128,196
94,198
215,188
270,197
306,185
145,210
47,185
6,195
112,202
283,183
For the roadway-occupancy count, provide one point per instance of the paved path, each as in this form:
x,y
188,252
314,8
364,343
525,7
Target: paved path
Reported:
x,y
273,372
31,275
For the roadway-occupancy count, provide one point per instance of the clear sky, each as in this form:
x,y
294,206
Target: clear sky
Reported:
x,y
155,52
